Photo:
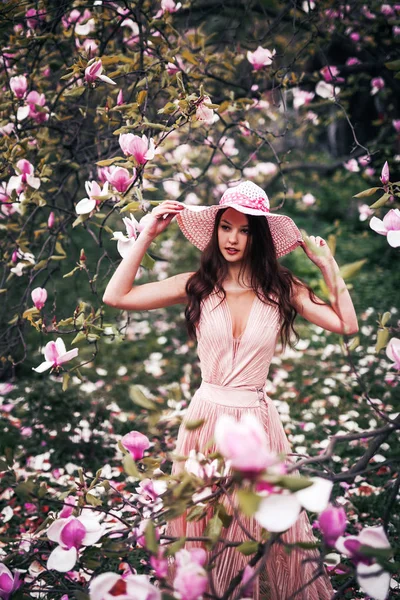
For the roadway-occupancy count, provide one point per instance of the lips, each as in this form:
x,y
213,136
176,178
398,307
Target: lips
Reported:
x,y
231,250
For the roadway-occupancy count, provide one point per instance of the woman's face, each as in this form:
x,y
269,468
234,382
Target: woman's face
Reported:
x,y
233,233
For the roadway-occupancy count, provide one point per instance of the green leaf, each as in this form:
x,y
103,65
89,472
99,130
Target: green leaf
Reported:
x,y
393,65
74,92
150,537
130,466
225,517
354,343
367,193
193,425
147,261
248,502
70,272
381,202
131,207
173,548
109,161
248,548
81,595
294,483
3,465
382,337
351,269
65,382
385,318
213,530
138,397
93,500
80,337
195,513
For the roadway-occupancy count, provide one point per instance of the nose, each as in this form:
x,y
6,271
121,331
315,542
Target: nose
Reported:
x,y
233,237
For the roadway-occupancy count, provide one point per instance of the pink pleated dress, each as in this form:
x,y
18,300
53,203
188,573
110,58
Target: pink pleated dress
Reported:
x,y
234,373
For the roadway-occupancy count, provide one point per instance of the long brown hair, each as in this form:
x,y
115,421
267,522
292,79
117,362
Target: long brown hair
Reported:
x,y
268,278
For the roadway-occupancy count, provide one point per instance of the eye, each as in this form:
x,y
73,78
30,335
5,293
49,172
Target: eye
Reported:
x,y
224,227
246,231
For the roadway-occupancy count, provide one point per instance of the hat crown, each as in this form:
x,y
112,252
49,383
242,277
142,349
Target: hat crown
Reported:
x,y
246,194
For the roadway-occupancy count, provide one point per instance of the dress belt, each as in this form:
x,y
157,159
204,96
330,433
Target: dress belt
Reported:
x,y
235,397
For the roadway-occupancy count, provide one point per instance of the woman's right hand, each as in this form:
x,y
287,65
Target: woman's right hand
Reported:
x,y
160,217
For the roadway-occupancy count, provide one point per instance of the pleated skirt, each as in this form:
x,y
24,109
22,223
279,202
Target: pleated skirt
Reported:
x,y
285,574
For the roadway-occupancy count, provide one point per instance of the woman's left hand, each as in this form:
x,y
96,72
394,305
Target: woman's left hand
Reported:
x,y
317,250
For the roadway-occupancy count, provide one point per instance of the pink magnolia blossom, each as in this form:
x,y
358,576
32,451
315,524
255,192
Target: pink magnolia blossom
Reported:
x,y
120,98
191,579
387,10
396,30
170,6
330,73
6,388
396,125
39,297
200,466
56,355
51,220
247,588
393,352
119,178
160,564
326,90
33,17
377,84
68,508
19,85
260,58
18,183
352,61
309,199
7,129
301,97
390,226
125,242
93,72
244,443
141,148
332,523
96,195
34,107
365,211
355,36
373,580
203,113
71,534
122,587
9,583
136,443
89,45
352,165
385,175
76,17
278,512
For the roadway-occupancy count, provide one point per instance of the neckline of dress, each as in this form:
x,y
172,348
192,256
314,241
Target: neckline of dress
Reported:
x,y
230,326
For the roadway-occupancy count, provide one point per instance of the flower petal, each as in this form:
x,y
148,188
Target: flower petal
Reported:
x,y
278,512
393,238
316,497
62,560
373,580
107,79
85,206
378,226
43,366
68,356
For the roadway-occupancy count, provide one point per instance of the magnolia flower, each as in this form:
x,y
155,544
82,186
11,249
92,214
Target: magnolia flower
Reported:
x,y
119,178
390,226
301,97
203,113
365,212
56,355
309,199
373,580
96,196
170,6
377,84
191,579
71,534
33,17
326,90
140,148
34,107
93,72
247,588
25,178
393,352
278,512
260,58
385,175
352,165
396,125
68,508
200,466
122,587
26,258
39,297
159,564
136,443
329,73
244,443
51,220
7,129
332,523
19,85
9,583
120,98
125,242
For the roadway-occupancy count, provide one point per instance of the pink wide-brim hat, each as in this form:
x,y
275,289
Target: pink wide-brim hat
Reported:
x,y
197,222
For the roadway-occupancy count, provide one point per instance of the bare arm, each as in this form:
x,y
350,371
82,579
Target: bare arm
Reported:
x,y
338,318
120,291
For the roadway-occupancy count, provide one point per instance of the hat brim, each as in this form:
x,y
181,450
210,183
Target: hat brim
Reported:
x,y
197,224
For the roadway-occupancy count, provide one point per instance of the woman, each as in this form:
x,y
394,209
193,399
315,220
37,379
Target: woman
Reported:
x,y
238,302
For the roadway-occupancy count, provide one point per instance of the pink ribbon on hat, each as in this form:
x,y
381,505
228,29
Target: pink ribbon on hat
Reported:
x,y
254,203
